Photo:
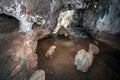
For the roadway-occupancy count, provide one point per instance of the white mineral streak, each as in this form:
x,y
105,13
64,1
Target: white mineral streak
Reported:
x,y
64,19
16,70
20,66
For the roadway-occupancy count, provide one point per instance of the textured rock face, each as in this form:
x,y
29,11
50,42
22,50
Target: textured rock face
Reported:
x,y
37,19
38,75
83,60
30,11
102,20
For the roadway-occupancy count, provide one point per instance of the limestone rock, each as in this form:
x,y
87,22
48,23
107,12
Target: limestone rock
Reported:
x,y
38,75
93,49
51,51
65,32
83,60
103,22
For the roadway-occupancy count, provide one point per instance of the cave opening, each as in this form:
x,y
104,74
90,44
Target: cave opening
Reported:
x,y
8,23
70,24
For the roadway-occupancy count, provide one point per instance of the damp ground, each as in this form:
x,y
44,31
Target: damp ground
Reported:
x,y
106,65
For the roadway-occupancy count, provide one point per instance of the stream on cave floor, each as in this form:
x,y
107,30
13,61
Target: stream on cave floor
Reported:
x,y
106,65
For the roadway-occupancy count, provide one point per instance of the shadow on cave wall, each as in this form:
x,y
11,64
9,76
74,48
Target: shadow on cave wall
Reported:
x,y
8,24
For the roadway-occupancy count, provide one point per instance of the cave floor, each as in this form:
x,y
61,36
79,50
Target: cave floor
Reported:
x,y
106,65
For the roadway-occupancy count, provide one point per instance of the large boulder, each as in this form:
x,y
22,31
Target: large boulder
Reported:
x,y
83,60
63,31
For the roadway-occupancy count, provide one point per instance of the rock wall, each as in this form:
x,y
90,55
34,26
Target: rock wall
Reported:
x,y
102,20
37,19
30,11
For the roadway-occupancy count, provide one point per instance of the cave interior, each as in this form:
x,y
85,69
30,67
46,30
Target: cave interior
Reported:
x,y
59,40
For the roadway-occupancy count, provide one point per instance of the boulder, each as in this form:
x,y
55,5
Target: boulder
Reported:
x,y
93,49
63,31
102,21
51,51
38,75
83,60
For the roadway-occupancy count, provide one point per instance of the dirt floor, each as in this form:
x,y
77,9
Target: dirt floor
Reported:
x,y
106,65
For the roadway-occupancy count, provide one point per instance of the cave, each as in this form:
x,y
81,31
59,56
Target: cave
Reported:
x,y
8,24
59,40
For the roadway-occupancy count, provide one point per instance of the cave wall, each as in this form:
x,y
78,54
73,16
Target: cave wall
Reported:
x,y
30,11
37,19
102,20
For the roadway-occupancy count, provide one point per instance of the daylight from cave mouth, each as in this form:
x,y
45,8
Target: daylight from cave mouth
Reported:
x,y
59,40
